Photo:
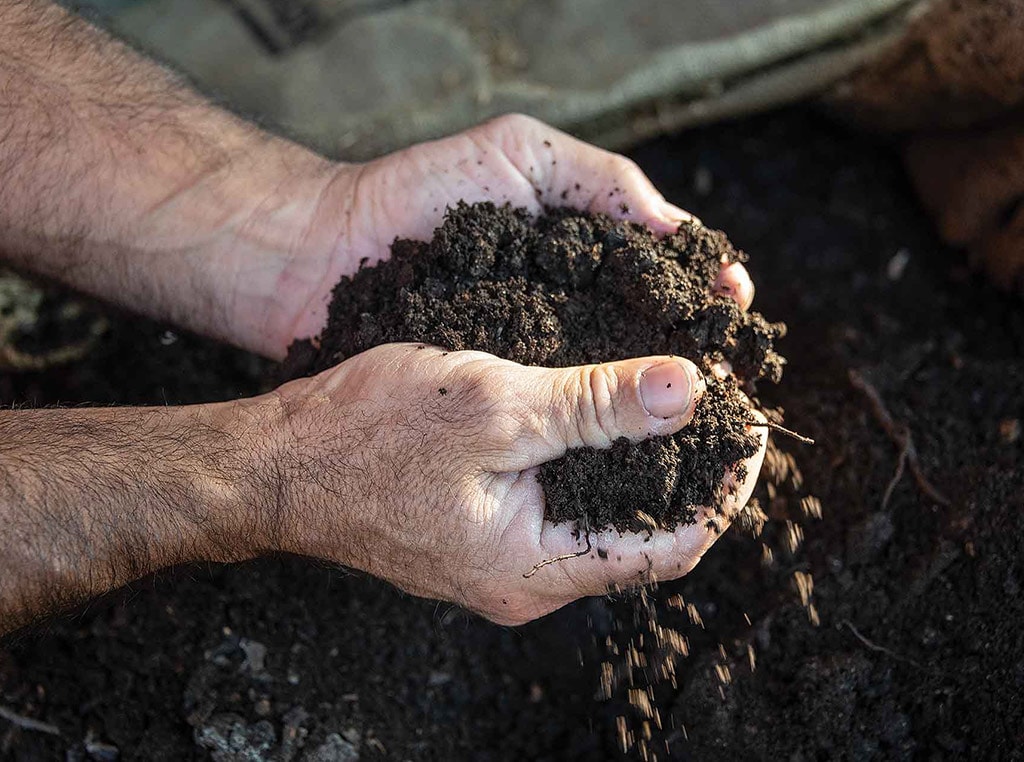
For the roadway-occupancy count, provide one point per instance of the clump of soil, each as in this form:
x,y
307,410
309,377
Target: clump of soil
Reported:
x,y
567,289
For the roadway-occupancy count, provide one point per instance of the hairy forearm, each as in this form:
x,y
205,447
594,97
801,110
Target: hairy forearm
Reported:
x,y
92,499
117,178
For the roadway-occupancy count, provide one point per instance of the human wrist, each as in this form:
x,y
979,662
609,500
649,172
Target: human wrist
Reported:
x,y
196,490
284,207
242,482
314,482
233,238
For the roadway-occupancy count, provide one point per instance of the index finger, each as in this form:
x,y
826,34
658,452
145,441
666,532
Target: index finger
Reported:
x,y
565,171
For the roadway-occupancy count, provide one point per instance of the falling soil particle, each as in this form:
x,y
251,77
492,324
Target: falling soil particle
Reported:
x,y
567,289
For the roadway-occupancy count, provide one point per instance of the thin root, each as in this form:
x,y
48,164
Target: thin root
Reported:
x,y
900,436
27,723
877,648
900,467
782,430
558,559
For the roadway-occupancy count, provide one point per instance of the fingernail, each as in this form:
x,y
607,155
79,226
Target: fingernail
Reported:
x,y
668,389
734,282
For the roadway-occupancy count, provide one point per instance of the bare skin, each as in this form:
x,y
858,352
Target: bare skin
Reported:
x,y
118,180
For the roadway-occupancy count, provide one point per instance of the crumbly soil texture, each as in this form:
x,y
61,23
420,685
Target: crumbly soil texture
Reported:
x,y
571,288
920,650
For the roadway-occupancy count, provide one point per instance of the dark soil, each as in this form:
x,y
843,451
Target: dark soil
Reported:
x,y
571,289
920,650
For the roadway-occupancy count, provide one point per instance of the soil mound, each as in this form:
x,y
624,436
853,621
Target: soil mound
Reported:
x,y
566,289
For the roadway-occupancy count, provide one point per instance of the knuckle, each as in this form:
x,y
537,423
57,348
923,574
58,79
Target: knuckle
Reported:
x,y
595,417
514,121
471,398
482,394
480,417
627,168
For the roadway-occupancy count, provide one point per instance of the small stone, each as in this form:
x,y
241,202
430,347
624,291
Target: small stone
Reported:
x,y
1009,430
292,734
333,749
101,752
897,265
438,678
295,716
255,656
352,735
230,739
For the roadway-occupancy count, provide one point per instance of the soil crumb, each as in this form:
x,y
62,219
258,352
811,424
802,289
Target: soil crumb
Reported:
x,y
571,288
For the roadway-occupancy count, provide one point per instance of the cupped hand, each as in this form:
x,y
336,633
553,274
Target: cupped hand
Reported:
x,y
419,466
360,211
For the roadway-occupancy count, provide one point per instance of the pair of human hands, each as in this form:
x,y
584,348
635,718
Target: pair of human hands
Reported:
x,y
437,493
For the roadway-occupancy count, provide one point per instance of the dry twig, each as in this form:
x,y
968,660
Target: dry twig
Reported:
x,y
877,648
782,430
901,437
900,467
27,723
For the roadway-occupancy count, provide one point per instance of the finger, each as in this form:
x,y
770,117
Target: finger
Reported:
x,y
625,560
565,171
593,405
734,281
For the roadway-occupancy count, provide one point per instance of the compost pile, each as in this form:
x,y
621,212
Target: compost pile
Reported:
x,y
567,289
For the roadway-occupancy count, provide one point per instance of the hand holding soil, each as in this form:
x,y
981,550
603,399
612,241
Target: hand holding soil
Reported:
x,y
419,466
513,160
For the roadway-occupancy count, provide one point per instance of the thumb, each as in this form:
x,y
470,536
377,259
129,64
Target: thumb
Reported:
x,y
593,405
